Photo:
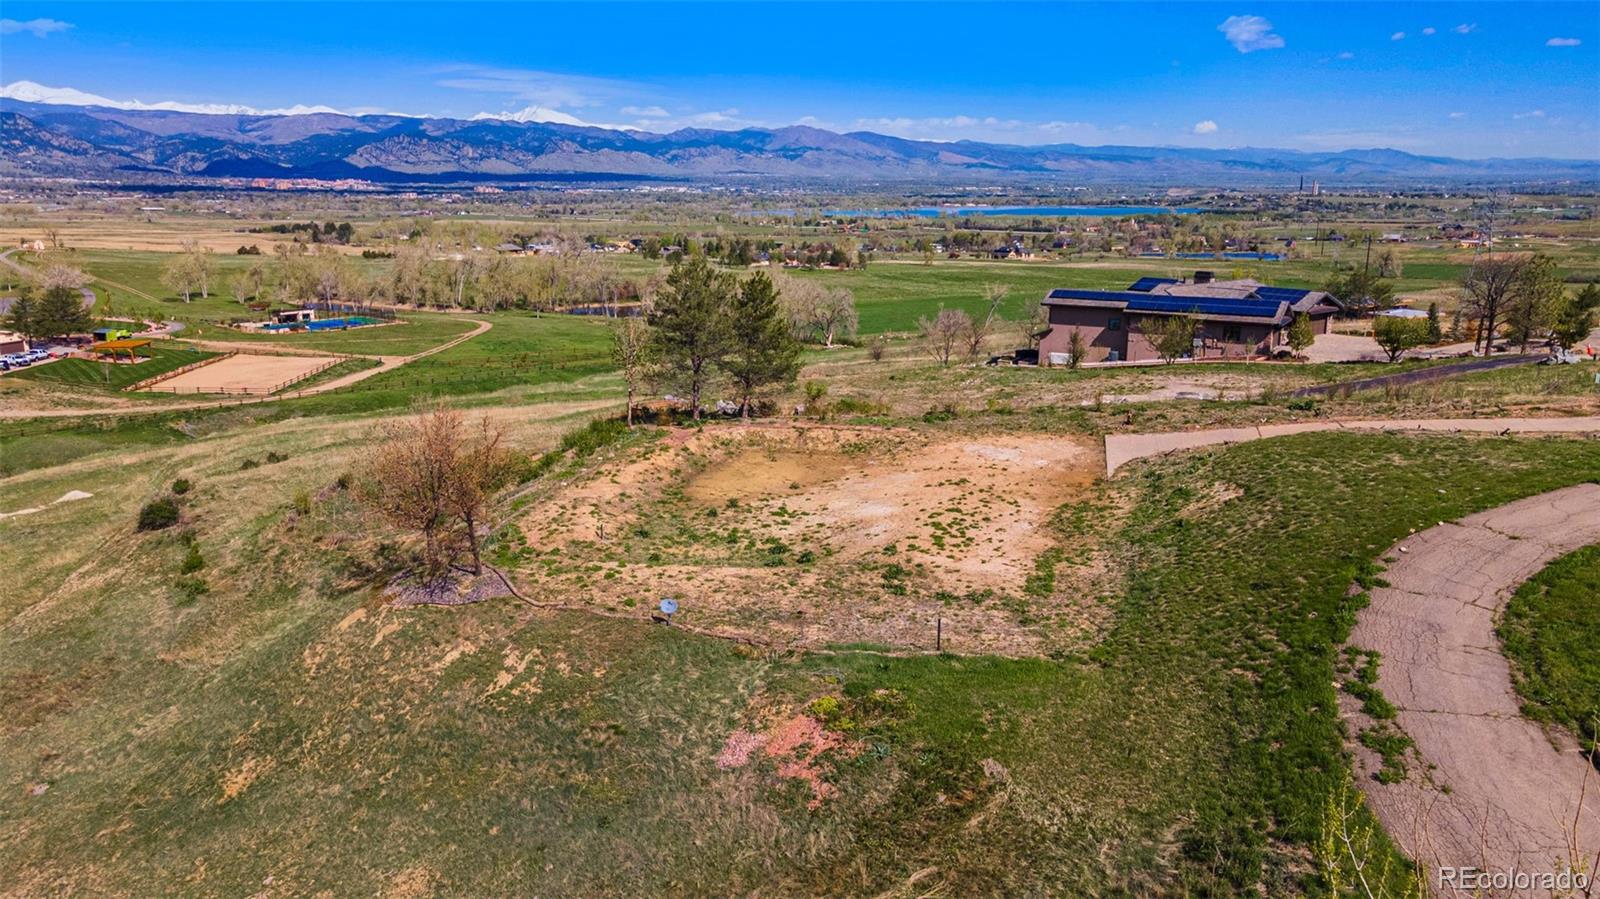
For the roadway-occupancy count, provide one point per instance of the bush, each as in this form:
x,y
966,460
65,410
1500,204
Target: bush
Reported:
x,y
191,588
302,502
275,457
181,486
158,514
947,412
192,561
248,464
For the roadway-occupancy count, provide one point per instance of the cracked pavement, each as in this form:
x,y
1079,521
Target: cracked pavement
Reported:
x,y
1496,790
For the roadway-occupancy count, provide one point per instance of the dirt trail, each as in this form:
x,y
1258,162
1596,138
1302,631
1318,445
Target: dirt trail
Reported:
x,y
1504,794
1124,448
385,363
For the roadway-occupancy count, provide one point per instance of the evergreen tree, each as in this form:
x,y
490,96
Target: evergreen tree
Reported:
x,y
61,311
24,318
763,351
1574,317
692,324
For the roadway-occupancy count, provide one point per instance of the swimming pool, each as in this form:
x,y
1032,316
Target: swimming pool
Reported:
x,y
326,324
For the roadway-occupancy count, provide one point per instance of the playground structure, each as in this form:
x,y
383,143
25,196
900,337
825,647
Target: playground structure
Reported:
x,y
124,350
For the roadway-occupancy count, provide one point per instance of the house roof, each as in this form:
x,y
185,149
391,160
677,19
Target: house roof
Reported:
x,y
1240,299
1218,308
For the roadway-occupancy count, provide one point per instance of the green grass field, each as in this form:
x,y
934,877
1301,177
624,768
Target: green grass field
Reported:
x,y
1551,633
415,332
107,376
261,728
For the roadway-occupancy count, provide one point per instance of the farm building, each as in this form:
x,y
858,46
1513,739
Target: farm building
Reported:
x,y
1237,318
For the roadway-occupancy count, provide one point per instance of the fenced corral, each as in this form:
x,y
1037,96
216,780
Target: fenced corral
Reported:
x,y
246,375
150,383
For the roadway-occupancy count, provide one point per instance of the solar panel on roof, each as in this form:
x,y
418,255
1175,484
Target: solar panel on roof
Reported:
x,y
1205,306
1148,284
1285,294
1109,296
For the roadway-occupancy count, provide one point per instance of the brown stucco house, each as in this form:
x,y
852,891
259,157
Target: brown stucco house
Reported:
x,y
1234,319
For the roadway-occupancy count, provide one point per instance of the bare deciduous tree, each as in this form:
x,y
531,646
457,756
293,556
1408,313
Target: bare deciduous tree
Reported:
x,y
432,474
945,333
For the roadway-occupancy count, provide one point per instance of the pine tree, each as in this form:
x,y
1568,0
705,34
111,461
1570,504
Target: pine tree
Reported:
x,y
692,324
61,311
24,318
763,351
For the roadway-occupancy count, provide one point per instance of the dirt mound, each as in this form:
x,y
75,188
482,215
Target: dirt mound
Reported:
x,y
824,535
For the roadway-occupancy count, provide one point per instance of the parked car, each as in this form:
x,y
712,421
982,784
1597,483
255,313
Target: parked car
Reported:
x,y
17,360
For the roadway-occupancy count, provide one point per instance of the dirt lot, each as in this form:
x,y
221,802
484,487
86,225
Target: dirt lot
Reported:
x,y
826,535
244,373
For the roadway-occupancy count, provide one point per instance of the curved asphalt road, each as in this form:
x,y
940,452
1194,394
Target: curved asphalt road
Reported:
x,y
1504,794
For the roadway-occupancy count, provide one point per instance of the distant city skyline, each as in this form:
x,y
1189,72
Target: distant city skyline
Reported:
x,y
1456,79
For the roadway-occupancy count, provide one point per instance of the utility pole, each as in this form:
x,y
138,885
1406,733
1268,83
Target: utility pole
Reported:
x,y
1368,263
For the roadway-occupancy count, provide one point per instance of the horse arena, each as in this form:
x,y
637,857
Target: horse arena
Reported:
x,y
243,373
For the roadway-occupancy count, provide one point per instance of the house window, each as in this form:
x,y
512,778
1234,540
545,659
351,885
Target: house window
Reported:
x,y
1232,334
1113,324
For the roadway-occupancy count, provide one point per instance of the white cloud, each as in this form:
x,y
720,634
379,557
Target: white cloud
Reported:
x,y
1465,28
1205,127
1398,36
36,27
1562,42
1345,55
31,92
1250,33
1530,114
1458,115
645,112
1430,31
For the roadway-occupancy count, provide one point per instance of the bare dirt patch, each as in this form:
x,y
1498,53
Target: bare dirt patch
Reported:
x,y
828,535
244,373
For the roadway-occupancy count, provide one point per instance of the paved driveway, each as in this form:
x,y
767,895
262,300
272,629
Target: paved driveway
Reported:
x,y
1503,793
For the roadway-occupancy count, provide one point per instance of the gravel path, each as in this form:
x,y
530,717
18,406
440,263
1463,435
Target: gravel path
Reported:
x,y
1504,794
1124,448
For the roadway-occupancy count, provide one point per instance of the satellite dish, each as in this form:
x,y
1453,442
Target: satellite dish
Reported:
x,y
669,606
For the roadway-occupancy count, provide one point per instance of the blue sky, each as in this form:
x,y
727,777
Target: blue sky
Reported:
x,y
1483,79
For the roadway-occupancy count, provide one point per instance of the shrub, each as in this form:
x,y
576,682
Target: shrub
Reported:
x,y
191,588
158,514
877,348
192,560
248,464
275,457
946,412
302,502
181,486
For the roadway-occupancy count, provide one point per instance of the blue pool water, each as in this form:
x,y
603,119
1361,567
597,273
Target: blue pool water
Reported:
x,y
327,324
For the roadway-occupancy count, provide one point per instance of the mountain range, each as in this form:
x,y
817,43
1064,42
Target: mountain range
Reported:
x,y
39,139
